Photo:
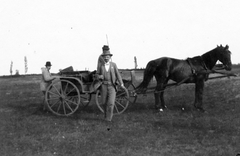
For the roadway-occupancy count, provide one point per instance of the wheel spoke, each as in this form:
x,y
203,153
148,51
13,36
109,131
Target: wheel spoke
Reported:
x,y
68,106
126,98
74,96
71,91
61,89
59,106
120,94
57,90
116,109
66,88
71,101
64,109
53,93
54,103
119,104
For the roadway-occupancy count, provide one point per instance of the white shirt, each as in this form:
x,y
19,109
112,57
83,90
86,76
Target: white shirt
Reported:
x,y
107,65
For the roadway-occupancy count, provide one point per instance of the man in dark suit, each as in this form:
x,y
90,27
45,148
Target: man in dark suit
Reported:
x,y
109,74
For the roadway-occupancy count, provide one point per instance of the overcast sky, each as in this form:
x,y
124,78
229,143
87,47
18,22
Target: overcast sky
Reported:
x,y
72,33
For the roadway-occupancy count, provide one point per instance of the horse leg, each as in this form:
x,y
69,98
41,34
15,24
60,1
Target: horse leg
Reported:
x,y
157,100
159,96
199,85
162,98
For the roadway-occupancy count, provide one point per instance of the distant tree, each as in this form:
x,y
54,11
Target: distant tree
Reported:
x,y
135,62
11,66
26,64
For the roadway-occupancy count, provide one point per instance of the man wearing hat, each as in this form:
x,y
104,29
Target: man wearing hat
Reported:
x,y
109,74
46,79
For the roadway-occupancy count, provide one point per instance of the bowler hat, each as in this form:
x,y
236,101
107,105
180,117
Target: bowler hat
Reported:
x,y
48,63
106,51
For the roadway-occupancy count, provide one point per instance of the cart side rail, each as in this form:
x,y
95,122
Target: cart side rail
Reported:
x,y
82,87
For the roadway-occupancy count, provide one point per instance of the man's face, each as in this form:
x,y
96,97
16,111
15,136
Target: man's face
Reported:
x,y
48,67
106,58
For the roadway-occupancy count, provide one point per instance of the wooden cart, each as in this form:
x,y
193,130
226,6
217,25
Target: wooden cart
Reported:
x,y
74,90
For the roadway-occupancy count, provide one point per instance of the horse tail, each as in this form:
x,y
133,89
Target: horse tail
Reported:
x,y
147,76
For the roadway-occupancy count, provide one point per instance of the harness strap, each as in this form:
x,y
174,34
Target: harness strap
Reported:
x,y
203,63
191,65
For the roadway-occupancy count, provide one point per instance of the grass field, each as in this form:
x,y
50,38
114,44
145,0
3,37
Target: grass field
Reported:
x,y
26,130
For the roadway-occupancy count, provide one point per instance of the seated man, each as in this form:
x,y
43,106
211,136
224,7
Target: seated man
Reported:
x,y
46,79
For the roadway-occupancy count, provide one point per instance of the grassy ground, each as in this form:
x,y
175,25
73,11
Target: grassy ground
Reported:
x,y
27,130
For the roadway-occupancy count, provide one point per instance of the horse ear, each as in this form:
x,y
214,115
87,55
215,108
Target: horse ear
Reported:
x,y
226,47
221,45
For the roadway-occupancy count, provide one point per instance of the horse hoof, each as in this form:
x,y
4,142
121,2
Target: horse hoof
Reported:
x,y
160,110
201,110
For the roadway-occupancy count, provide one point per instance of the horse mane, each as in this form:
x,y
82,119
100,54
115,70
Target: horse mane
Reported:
x,y
210,58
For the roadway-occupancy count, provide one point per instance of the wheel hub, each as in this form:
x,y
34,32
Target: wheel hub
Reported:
x,y
62,97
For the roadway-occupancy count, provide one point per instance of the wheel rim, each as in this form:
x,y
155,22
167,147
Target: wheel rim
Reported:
x,y
62,98
99,101
121,102
132,95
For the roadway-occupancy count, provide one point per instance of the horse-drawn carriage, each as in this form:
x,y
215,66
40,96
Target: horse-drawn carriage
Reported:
x,y
74,89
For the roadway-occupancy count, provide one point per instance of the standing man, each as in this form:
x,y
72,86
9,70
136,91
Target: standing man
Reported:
x,y
46,79
109,74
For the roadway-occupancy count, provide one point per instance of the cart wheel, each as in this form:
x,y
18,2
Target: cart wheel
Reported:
x,y
121,102
132,95
62,97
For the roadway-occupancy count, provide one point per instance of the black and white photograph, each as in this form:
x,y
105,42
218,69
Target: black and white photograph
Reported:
x,y
120,78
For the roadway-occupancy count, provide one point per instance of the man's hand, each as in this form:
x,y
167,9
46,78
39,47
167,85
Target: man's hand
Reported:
x,y
56,77
100,77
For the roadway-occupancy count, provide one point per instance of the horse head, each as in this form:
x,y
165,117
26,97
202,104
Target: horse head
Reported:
x,y
224,56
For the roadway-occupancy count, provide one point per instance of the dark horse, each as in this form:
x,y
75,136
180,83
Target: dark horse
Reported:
x,y
192,70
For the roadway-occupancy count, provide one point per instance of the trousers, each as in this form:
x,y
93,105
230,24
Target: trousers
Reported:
x,y
108,94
